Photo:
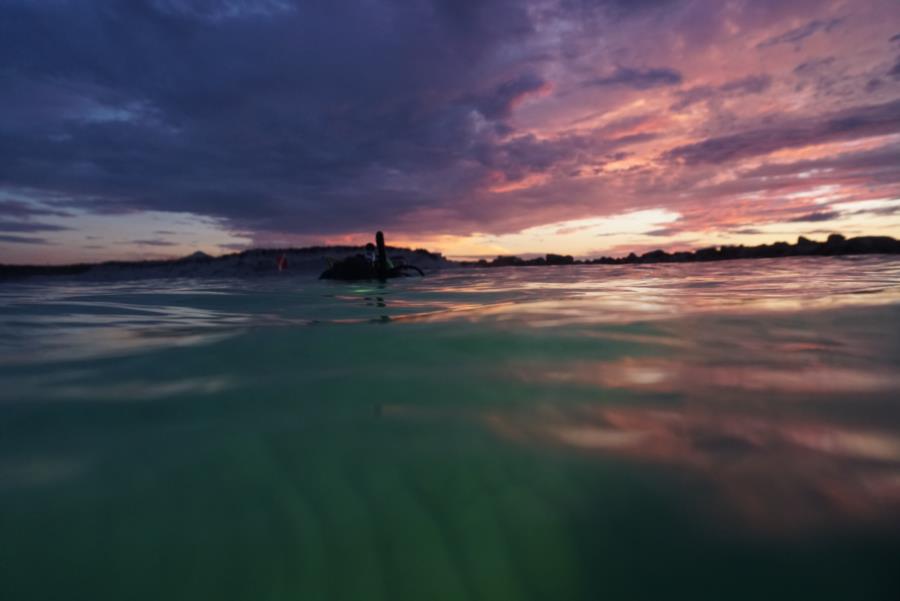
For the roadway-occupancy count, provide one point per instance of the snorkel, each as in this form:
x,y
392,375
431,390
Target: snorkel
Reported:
x,y
381,262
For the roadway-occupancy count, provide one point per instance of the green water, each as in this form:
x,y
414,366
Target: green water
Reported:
x,y
727,431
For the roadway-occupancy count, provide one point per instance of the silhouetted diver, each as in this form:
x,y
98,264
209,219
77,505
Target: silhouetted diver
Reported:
x,y
368,267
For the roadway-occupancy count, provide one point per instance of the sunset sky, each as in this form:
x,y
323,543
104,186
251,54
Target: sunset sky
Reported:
x,y
154,128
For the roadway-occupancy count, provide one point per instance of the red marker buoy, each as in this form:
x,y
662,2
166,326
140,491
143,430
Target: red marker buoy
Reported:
x,y
282,262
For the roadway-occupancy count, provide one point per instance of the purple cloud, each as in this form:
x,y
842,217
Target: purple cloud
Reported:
x,y
752,84
793,132
795,36
30,226
288,120
816,216
22,239
813,65
639,79
153,242
23,210
895,70
498,104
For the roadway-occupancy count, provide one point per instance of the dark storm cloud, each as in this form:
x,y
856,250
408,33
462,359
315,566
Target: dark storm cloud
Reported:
x,y
639,79
851,123
799,34
309,117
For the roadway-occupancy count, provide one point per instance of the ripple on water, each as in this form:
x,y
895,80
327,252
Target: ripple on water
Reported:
x,y
549,433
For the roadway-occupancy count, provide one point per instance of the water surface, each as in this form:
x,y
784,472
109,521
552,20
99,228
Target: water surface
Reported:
x,y
703,431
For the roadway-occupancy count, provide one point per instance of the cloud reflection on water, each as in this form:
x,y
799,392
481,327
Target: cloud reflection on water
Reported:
x,y
762,439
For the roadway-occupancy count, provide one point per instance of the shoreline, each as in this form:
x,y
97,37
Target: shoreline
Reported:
x,y
835,245
311,260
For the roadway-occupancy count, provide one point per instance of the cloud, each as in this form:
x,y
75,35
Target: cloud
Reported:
x,y
752,84
813,65
878,207
23,210
792,132
321,119
866,164
283,120
639,79
30,226
238,246
22,240
816,216
220,10
153,242
500,102
895,70
616,7
795,36
525,155
665,231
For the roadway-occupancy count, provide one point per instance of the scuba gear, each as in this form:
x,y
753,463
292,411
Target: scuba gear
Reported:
x,y
359,267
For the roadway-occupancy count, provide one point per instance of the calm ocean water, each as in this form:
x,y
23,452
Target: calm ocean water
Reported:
x,y
700,431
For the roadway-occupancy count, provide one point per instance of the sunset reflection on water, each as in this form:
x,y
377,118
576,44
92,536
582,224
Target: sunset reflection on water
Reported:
x,y
771,392
651,430
771,475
